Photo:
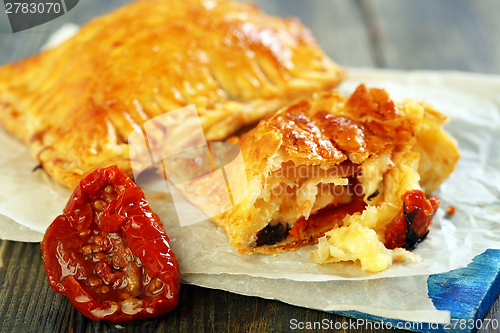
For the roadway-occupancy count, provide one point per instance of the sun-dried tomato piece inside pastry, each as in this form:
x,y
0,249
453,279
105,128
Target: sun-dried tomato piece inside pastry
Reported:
x,y
76,105
333,162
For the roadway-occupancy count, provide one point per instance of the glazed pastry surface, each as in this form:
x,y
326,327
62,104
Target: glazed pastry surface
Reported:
x,y
76,105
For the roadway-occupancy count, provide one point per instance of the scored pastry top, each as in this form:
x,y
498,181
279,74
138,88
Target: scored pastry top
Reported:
x,y
75,105
329,128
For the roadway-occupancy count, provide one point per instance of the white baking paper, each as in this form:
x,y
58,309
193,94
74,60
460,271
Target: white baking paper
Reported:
x,y
29,201
403,298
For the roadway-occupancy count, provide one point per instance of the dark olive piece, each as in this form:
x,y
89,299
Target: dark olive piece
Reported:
x,y
271,235
373,195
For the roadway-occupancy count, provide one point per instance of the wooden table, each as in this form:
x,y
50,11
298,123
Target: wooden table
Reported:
x,y
403,34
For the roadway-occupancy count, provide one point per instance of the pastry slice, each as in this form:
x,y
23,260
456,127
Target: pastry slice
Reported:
x,y
75,105
331,162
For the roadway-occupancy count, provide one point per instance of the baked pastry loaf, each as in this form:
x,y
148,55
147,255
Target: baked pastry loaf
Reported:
x,y
346,164
76,105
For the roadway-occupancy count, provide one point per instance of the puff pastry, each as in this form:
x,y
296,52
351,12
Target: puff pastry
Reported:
x,y
346,164
75,105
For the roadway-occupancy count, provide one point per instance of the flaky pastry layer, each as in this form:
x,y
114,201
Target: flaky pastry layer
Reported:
x,y
351,157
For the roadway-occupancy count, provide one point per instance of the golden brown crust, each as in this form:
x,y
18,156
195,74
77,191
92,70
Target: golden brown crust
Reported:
x,y
75,105
438,151
329,129
366,131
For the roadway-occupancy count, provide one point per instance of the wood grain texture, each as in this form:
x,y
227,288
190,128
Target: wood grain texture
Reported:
x,y
338,26
28,304
28,42
466,292
403,34
438,35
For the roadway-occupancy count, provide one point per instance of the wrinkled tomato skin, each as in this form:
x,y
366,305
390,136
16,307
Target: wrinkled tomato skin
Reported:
x,y
328,216
129,214
395,235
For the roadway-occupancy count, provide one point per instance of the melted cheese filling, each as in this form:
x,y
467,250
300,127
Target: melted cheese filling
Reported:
x,y
360,237
357,242
295,193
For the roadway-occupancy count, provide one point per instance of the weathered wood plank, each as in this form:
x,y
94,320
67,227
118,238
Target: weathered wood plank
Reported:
x,y
28,42
338,26
438,35
28,304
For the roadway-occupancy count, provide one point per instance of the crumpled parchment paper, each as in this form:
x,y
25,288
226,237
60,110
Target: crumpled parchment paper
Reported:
x,y
29,201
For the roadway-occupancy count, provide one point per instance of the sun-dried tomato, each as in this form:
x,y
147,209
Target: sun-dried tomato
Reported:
x,y
412,223
108,252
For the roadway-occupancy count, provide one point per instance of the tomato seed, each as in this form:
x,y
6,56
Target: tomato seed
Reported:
x,y
105,289
98,248
108,193
99,205
94,282
87,249
155,286
130,301
114,306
